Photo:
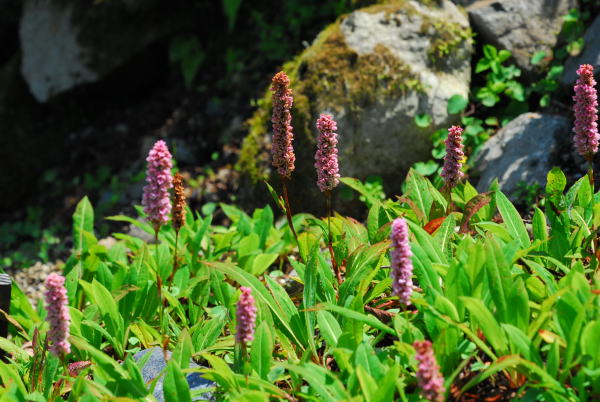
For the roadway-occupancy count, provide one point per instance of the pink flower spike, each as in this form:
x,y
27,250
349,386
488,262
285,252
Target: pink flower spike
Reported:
x,y
58,315
454,157
282,149
430,379
586,112
156,201
401,265
326,158
246,316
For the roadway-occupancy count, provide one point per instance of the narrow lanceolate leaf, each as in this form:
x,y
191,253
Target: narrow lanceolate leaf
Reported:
x,y
499,276
262,351
175,387
418,191
83,221
512,220
488,324
471,208
329,327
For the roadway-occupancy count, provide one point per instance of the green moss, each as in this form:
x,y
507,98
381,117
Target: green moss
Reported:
x,y
446,38
327,76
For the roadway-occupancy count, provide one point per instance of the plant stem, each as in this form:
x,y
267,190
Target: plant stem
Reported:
x,y
159,283
336,269
175,262
590,172
288,209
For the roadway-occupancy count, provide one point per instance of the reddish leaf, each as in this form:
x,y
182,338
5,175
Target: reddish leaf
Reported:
x,y
434,224
474,205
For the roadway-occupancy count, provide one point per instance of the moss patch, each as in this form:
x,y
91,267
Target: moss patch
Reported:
x,y
446,37
327,76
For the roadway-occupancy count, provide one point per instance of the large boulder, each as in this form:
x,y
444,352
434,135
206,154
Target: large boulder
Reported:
x,y
522,27
374,70
589,55
521,151
65,44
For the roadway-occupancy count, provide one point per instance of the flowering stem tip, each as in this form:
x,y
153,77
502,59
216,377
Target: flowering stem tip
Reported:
x,y
282,149
156,201
401,266
430,379
586,113
326,158
58,316
454,156
246,317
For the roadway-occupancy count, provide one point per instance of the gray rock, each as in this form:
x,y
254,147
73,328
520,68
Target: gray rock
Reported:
x,y
520,151
589,55
66,44
374,71
522,27
154,368
383,138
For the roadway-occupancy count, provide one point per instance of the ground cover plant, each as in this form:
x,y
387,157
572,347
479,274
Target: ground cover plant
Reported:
x,y
443,293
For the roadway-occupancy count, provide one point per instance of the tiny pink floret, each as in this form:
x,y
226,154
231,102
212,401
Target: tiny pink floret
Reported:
x,y
585,106
156,200
454,157
326,158
430,379
401,264
282,148
246,316
58,316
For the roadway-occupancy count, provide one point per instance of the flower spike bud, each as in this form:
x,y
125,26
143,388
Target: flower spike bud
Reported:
x,y
430,379
156,201
401,264
326,158
178,202
586,113
454,157
246,316
282,149
58,316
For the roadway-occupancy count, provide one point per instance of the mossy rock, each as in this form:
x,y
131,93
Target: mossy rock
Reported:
x,y
374,70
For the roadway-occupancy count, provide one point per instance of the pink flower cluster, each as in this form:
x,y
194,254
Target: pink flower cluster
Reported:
x,y
58,315
282,149
326,158
246,316
454,156
586,112
156,201
401,267
430,379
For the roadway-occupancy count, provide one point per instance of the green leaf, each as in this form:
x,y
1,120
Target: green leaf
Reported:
x,y
329,327
83,221
512,220
259,292
326,385
556,182
456,104
538,57
262,351
499,276
423,120
175,386
488,324
355,315
417,190
231,8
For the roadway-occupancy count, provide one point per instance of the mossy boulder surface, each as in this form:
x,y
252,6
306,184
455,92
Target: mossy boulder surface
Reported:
x,y
374,70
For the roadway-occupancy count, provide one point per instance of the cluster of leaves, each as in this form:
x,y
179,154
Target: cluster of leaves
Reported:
x,y
503,301
504,92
